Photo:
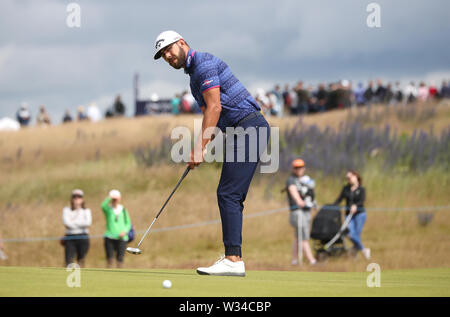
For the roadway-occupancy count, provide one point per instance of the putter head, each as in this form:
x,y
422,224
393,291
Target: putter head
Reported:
x,y
134,250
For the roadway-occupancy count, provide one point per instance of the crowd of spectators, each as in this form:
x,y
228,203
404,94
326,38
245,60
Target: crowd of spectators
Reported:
x,y
298,99
91,113
184,103
302,99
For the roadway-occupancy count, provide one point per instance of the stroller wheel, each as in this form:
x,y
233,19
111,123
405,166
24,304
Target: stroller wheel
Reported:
x,y
352,253
322,256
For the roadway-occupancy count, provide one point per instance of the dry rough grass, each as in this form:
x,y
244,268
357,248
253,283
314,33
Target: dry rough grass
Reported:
x,y
40,166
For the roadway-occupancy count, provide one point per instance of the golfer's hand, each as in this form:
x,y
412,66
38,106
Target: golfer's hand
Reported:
x,y
196,158
122,234
353,209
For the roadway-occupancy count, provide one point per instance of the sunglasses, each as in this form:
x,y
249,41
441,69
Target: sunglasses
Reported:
x,y
77,196
167,48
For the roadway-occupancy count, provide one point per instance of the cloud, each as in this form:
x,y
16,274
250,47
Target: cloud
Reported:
x,y
5,53
44,61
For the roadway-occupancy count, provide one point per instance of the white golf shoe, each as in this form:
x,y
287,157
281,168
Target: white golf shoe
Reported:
x,y
224,267
366,253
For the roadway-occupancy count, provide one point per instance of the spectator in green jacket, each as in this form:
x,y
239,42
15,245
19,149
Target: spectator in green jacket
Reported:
x,y
118,224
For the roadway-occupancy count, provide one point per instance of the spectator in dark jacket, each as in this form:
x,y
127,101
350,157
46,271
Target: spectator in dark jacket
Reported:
x,y
369,93
67,117
302,98
287,99
321,96
119,107
398,94
380,93
389,95
332,100
23,115
445,90
355,194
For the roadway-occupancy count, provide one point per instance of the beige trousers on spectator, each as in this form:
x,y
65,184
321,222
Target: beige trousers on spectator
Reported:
x,y
300,220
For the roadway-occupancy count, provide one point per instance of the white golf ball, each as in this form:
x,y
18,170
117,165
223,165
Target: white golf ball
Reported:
x,y
167,284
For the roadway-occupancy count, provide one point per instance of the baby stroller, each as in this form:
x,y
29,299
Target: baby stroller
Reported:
x,y
328,232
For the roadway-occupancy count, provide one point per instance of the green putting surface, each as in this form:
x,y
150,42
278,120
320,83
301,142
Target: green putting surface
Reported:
x,y
33,281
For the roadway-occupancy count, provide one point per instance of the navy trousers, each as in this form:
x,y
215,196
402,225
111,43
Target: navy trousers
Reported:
x,y
236,177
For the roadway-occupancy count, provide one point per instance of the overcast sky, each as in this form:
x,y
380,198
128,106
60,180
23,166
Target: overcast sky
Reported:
x,y
43,61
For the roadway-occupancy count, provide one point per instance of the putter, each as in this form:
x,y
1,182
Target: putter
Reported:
x,y
139,251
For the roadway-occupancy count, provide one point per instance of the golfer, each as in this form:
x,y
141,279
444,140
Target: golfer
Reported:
x,y
355,194
225,102
300,198
77,220
118,225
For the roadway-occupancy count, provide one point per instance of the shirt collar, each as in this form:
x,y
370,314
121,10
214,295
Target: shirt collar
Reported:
x,y
189,61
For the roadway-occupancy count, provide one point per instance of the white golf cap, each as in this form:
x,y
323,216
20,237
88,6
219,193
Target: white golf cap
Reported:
x,y
165,39
77,192
114,194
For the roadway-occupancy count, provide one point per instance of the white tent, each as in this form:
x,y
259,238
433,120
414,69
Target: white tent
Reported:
x,y
93,112
8,124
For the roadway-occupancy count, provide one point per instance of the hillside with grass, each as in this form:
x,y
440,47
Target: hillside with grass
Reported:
x,y
402,153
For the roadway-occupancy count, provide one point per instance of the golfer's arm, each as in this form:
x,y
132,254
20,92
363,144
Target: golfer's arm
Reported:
x,y
211,114
296,196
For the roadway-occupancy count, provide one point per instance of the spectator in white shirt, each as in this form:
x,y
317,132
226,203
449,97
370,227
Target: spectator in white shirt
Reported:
x,y
410,93
77,219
